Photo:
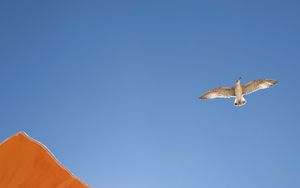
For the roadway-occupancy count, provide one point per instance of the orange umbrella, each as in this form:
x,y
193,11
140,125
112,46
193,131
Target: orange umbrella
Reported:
x,y
26,163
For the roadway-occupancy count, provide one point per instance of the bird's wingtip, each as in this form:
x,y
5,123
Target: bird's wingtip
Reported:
x,y
202,97
274,82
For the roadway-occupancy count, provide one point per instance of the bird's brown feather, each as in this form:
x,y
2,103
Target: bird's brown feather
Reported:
x,y
220,92
255,85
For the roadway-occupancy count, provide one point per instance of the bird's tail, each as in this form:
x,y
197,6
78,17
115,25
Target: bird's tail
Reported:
x,y
240,102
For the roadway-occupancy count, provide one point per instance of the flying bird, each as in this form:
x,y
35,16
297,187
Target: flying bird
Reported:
x,y
238,91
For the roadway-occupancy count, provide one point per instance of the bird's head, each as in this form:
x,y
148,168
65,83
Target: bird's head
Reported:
x,y
238,80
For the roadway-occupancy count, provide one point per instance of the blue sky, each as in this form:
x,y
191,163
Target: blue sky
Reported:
x,y
111,88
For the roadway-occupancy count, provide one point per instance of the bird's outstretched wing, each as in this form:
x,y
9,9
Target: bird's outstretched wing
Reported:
x,y
220,92
257,85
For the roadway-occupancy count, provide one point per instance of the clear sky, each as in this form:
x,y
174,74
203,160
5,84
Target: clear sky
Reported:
x,y
111,88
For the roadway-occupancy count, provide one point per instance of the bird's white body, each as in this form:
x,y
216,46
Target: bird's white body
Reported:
x,y
238,90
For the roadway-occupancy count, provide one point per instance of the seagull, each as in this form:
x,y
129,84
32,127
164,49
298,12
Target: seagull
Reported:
x,y
238,91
